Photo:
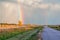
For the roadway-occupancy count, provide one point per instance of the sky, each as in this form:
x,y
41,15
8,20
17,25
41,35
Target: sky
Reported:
x,y
34,11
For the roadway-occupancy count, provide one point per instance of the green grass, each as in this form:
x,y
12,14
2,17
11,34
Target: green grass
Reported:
x,y
55,27
6,34
33,37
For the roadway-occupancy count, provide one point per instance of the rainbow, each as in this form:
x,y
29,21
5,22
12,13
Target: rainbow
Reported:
x,y
20,12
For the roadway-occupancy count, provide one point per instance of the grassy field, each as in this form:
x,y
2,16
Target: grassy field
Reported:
x,y
25,34
10,31
9,34
56,27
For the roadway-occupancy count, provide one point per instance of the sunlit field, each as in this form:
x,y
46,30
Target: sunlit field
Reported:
x,y
7,32
15,32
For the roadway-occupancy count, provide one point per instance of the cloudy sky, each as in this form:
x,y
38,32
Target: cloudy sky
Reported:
x,y
34,11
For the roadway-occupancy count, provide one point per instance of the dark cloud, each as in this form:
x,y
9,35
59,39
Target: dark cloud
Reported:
x,y
12,1
51,1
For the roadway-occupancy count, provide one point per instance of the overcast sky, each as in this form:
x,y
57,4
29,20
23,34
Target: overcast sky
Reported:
x,y
34,11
